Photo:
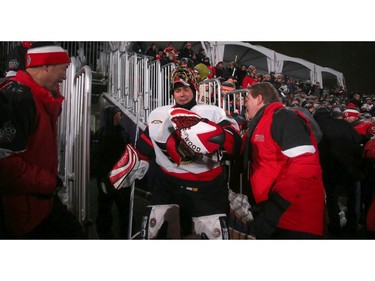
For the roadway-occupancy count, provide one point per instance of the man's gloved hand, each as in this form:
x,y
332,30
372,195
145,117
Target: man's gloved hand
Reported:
x,y
267,215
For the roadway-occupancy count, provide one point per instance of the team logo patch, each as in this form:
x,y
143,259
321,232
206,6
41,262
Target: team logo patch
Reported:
x,y
7,132
13,64
259,138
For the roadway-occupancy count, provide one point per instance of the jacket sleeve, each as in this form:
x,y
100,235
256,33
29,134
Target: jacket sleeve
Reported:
x,y
293,137
17,118
18,176
17,123
144,145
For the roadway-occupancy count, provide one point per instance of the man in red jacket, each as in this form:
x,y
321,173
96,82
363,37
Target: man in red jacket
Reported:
x,y
285,173
30,106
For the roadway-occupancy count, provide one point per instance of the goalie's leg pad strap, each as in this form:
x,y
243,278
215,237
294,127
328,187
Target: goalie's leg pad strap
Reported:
x,y
213,226
161,222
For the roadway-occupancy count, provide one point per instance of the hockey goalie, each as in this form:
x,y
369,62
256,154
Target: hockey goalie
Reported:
x,y
182,149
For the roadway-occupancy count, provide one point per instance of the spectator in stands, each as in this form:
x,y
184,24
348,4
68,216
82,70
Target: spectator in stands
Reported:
x,y
266,78
317,90
250,78
29,182
205,92
186,63
152,51
230,72
285,172
188,52
171,53
367,106
139,47
219,69
110,140
161,57
191,175
356,100
239,111
242,72
199,58
279,81
227,86
212,69
341,157
365,128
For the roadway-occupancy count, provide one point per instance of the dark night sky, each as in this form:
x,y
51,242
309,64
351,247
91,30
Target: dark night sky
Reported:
x,y
356,60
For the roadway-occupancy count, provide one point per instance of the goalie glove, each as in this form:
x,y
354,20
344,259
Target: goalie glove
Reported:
x,y
178,151
129,168
200,135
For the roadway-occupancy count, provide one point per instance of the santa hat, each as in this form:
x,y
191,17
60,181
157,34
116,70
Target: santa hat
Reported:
x,y
349,111
46,55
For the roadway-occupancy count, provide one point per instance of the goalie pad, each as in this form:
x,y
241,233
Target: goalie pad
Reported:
x,y
129,168
212,227
161,222
200,135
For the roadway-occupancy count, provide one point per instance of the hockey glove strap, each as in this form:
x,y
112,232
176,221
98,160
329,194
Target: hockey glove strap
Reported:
x,y
267,215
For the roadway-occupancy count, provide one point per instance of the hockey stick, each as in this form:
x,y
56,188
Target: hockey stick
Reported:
x,y
131,200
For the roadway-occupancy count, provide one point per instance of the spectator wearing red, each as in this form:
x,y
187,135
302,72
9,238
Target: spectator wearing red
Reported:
x,y
250,78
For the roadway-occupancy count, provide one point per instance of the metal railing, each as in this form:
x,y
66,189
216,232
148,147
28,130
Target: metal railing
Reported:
x,y
74,140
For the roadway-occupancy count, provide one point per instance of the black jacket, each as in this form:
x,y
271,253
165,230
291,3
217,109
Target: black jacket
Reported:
x,y
109,143
341,153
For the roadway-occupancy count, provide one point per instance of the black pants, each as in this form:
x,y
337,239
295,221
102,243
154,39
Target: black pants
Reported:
x,y
104,217
60,224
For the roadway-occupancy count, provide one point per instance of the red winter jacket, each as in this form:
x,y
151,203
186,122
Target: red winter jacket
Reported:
x,y
28,159
298,179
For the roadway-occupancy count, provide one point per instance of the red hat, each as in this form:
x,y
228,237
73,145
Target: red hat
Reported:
x,y
46,55
351,106
350,112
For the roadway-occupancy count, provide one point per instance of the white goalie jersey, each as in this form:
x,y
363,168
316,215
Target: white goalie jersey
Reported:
x,y
189,151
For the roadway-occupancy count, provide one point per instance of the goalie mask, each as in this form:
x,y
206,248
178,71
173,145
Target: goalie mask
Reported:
x,y
182,76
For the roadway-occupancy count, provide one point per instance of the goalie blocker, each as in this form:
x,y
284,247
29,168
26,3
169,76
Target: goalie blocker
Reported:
x,y
130,167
